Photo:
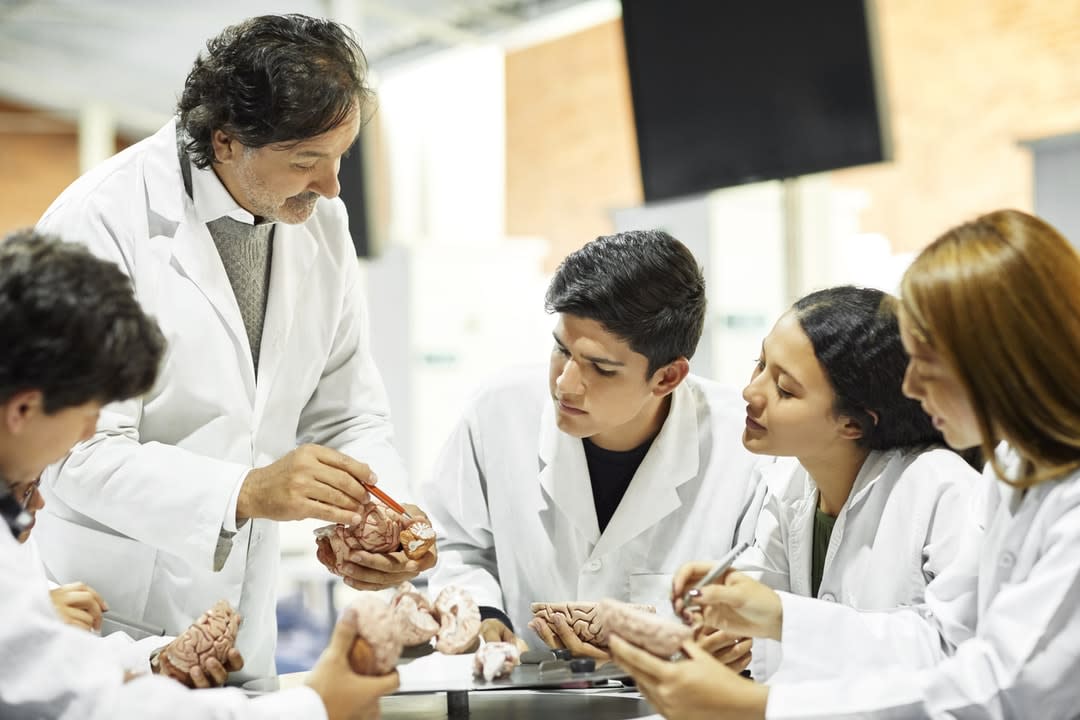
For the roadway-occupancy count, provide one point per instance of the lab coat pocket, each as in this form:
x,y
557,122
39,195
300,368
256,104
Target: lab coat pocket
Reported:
x,y
652,589
119,568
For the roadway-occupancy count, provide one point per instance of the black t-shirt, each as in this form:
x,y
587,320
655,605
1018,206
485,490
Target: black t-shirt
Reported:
x,y
610,472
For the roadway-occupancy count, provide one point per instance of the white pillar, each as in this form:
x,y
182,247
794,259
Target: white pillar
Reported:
x,y
97,134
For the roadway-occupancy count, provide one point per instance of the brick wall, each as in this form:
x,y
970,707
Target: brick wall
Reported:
x,y
967,80
571,151
34,169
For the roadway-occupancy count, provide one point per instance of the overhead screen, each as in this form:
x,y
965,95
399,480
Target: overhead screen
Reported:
x,y
354,195
727,93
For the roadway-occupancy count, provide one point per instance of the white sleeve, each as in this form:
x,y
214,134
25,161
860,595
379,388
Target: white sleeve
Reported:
x,y
455,497
157,698
155,477
51,670
1021,662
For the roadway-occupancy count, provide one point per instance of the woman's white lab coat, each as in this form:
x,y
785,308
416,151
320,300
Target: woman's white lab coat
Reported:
x,y
52,670
512,501
902,524
137,511
999,635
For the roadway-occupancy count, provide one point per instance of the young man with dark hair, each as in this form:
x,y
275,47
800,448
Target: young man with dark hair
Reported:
x,y
603,479
74,339
269,406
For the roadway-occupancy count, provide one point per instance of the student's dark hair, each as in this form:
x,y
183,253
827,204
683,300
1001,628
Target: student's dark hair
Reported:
x,y
643,286
856,338
70,325
272,79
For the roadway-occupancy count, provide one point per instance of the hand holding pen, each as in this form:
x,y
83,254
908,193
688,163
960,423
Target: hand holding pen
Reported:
x,y
732,602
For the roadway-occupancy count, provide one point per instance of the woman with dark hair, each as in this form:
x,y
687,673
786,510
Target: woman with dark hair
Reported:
x,y
863,503
990,315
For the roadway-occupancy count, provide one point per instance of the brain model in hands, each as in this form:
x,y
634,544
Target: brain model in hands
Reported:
x,y
376,529
377,646
582,617
383,629
662,637
211,636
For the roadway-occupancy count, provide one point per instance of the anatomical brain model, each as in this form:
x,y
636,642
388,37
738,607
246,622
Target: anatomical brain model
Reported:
x,y
459,620
453,620
378,530
662,637
495,660
582,617
413,615
212,635
378,645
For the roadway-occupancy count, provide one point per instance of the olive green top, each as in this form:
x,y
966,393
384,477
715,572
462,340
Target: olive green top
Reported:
x,y
823,525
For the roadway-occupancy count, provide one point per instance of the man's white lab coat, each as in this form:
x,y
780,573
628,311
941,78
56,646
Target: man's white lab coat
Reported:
x,y
136,512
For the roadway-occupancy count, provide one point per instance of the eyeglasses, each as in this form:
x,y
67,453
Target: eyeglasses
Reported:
x,y
29,493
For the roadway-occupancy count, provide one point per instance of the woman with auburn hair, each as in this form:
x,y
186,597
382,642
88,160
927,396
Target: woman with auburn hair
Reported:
x,y
990,314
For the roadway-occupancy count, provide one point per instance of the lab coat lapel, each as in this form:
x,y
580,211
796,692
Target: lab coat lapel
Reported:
x,y
653,493
295,249
194,251
564,476
875,466
192,248
801,544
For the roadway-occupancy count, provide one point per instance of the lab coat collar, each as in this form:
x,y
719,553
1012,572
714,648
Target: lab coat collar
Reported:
x,y
873,467
802,544
212,199
672,460
165,194
564,475
295,250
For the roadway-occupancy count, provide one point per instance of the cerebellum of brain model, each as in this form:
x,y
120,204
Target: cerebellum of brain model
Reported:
x,y
417,537
211,636
662,637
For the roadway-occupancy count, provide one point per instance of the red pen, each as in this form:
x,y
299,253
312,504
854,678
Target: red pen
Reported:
x,y
390,502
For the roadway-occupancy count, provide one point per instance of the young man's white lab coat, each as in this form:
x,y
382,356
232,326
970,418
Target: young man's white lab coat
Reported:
x,y
52,670
512,500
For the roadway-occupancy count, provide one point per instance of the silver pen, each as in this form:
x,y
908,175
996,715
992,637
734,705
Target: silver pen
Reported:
x,y
721,565
111,622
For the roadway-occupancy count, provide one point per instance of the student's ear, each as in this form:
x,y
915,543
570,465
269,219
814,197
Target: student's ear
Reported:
x,y
20,408
851,430
226,147
667,378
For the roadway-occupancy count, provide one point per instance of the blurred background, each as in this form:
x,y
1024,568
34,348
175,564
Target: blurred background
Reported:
x,y
790,145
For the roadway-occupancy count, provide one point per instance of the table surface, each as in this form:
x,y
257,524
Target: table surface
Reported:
x,y
519,705
454,673
442,686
